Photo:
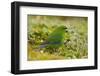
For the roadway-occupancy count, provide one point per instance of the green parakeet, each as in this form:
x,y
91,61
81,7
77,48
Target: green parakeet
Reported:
x,y
56,38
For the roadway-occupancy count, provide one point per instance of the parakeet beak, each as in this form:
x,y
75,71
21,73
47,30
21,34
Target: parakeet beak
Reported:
x,y
66,29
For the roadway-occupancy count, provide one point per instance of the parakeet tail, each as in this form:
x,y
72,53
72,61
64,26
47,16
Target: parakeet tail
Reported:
x,y
38,49
42,46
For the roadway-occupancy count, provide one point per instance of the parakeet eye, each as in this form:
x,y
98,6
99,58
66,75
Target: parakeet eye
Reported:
x,y
65,27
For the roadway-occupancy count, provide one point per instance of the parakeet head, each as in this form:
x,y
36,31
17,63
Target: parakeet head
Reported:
x,y
63,28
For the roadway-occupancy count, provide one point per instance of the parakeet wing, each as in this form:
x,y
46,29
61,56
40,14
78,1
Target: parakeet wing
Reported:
x,y
56,36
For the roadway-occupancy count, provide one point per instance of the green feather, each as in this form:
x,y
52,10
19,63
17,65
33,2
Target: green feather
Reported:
x,y
56,38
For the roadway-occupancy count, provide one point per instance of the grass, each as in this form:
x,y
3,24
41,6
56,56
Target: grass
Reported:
x,y
35,55
75,46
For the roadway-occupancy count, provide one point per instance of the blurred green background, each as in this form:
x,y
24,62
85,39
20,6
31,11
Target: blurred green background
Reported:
x,y
76,40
